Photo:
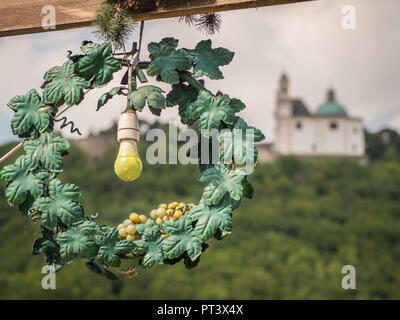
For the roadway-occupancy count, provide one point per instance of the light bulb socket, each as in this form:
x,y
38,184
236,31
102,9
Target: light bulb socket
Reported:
x,y
128,127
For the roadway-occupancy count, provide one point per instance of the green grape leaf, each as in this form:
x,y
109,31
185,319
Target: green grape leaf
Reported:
x,y
237,105
163,48
97,66
22,181
211,219
150,247
167,61
241,124
153,95
221,181
238,144
141,228
26,206
47,152
211,110
248,190
182,239
76,241
62,84
30,114
111,247
182,95
48,246
61,204
207,60
109,95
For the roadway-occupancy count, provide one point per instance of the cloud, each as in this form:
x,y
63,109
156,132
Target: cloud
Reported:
x,y
305,39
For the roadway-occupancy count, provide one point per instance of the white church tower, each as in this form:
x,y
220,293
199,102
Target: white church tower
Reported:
x,y
328,132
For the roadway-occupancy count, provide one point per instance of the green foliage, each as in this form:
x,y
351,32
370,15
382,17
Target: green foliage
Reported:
x,y
207,60
22,180
46,152
153,95
30,115
61,205
182,95
112,25
63,85
67,233
211,110
111,247
150,247
167,61
97,66
109,95
210,220
238,144
222,181
76,241
182,239
48,246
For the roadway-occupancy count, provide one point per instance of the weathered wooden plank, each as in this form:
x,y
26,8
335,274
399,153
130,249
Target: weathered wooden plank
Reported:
x,y
25,16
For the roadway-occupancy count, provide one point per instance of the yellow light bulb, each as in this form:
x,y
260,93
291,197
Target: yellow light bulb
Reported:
x,y
128,165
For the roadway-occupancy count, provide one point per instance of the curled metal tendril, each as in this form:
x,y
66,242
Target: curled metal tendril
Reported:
x,y
69,123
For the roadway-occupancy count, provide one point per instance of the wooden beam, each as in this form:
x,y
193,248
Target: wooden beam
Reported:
x,y
25,16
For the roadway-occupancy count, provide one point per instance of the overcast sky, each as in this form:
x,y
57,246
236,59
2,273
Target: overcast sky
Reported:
x,y
306,40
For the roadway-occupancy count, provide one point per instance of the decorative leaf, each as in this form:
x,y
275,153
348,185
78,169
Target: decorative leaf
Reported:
x,y
207,60
211,110
167,61
97,65
248,190
109,95
111,247
222,181
47,151
63,84
241,124
182,95
153,95
141,228
211,219
165,47
48,246
76,241
237,105
182,239
26,206
61,204
238,144
30,115
22,180
150,246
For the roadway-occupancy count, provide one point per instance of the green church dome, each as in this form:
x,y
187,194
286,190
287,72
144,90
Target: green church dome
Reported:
x,y
331,108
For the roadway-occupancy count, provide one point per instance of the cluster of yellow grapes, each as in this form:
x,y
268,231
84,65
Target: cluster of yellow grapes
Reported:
x,y
173,211
127,229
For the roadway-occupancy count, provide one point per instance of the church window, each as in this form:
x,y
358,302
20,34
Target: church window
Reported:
x,y
333,125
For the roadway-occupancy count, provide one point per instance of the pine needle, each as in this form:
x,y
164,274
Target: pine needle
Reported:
x,y
113,25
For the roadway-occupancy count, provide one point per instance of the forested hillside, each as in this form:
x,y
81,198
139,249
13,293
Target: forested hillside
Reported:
x,y
307,220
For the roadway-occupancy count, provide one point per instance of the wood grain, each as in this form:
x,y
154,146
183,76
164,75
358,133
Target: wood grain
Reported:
x,y
25,16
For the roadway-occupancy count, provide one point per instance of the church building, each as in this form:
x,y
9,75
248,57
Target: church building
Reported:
x,y
329,131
